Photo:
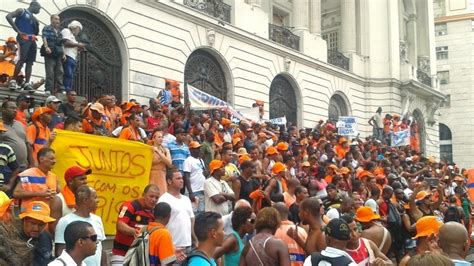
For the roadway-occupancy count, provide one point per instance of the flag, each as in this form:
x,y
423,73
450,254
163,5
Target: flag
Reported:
x,y
401,138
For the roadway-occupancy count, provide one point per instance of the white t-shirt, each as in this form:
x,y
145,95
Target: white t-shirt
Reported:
x,y
66,258
96,223
195,168
69,51
180,221
116,132
373,205
214,187
333,213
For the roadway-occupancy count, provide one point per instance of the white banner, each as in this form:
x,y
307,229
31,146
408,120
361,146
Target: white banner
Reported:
x,y
347,126
400,138
200,100
251,114
278,121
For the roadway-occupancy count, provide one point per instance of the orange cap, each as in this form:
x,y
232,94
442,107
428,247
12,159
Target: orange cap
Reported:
x,y
344,170
4,203
37,210
215,164
194,145
271,150
11,39
342,140
422,194
41,110
129,105
242,151
282,146
236,140
365,214
225,122
332,166
278,168
244,158
98,107
426,226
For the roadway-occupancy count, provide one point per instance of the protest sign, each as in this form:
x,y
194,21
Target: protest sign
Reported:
x,y
347,126
120,169
278,121
400,138
200,100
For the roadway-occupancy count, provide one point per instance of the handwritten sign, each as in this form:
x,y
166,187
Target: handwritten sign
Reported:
x,y
400,138
278,121
120,169
347,126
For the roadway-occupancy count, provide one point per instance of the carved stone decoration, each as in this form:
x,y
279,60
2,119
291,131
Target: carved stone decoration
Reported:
x,y
204,72
283,100
286,64
99,67
407,99
431,107
337,107
424,64
210,36
215,8
92,2
403,52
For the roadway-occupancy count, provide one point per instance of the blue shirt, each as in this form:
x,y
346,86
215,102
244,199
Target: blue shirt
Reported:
x,y
200,261
25,22
8,163
178,153
165,97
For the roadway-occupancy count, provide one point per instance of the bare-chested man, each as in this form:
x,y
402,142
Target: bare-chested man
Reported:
x,y
311,215
454,241
373,229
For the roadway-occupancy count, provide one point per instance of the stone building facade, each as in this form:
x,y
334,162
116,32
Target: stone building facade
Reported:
x,y
306,59
454,31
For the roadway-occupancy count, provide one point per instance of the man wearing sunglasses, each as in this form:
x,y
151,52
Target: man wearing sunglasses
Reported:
x,y
81,242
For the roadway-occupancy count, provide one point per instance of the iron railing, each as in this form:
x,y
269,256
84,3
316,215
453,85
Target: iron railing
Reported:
x,y
214,8
338,59
423,77
284,36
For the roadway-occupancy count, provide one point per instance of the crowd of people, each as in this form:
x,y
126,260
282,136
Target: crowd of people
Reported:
x,y
221,191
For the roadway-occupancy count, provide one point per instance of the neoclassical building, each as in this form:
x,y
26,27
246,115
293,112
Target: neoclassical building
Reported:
x,y
306,59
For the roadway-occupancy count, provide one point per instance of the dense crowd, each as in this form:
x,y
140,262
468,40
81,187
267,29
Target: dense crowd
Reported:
x,y
222,191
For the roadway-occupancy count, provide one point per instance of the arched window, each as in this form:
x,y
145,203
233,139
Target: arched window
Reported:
x,y
445,143
337,107
283,100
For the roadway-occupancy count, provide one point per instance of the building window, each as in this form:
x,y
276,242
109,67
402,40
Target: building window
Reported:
x,y
442,52
441,29
445,143
447,102
331,39
443,77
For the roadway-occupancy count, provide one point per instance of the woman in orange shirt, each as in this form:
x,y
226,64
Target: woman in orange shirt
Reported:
x,y
132,132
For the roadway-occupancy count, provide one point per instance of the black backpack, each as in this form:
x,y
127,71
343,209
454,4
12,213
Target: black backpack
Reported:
x,y
452,215
318,257
195,253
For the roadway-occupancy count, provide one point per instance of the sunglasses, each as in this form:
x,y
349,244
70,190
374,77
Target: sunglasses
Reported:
x,y
93,238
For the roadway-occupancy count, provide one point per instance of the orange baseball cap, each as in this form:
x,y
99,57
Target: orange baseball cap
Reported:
x,y
236,140
37,210
282,146
427,226
225,122
98,107
344,170
242,151
342,140
278,168
215,164
129,105
5,202
365,214
332,166
41,110
244,158
422,194
271,150
194,145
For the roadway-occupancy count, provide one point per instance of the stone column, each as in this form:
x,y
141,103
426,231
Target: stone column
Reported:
x,y
300,15
348,26
315,17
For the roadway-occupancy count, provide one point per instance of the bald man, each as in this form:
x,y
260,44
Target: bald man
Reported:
x,y
454,241
228,218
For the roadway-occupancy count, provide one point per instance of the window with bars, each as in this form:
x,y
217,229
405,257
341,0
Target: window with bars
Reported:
x,y
441,29
331,39
443,77
442,52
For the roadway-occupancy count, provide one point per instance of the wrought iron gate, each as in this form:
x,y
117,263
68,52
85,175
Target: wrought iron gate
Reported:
x,y
282,99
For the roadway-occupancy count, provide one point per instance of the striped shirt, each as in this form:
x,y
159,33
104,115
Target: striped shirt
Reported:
x,y
8,163
179,153
165,97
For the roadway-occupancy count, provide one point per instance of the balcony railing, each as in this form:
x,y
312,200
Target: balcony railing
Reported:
x,y
336,58
423,77
284,36
214,8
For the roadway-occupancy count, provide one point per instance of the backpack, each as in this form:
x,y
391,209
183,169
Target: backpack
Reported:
x,y
452,215
139,252
195,253
317,257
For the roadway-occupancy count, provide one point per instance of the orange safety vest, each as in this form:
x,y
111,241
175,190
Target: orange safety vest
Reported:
x,y
34,180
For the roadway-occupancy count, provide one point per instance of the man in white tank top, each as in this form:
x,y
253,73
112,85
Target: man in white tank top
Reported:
x,y
65,202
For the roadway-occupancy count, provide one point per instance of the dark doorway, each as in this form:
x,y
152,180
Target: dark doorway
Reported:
x,y
337,108
283,100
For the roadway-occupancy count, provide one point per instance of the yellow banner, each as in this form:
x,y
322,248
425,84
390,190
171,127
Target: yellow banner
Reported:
x,y
120,169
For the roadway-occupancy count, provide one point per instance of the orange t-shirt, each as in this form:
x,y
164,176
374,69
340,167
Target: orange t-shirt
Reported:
x,y
88,128
34,180
21,117
176,94
37,139
297,253
161,245
130,133
341,151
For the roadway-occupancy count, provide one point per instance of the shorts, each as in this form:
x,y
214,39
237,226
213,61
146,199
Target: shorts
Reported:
x,y
27,50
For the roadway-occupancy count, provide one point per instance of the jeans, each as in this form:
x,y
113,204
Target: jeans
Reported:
x,y
54,73
69,66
